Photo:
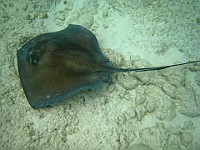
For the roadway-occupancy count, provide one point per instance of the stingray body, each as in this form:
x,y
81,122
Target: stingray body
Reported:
x,y
54,66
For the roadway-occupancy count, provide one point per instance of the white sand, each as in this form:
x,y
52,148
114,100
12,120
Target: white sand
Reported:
x,y
154,110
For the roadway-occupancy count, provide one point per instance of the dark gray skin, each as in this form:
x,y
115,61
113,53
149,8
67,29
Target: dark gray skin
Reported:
x,y
54,66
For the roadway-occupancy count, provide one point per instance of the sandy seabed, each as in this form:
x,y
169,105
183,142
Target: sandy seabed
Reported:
x,y
156,110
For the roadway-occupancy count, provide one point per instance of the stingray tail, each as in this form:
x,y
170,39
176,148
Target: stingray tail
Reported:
x,y
147,69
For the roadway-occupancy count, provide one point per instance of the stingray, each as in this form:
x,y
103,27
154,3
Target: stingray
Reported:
x,y
54,66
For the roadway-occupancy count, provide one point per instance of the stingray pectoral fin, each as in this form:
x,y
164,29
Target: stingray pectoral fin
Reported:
x,y
42,92
54,66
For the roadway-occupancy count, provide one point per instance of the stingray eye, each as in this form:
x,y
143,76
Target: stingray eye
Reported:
x,y
33,56
33,59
